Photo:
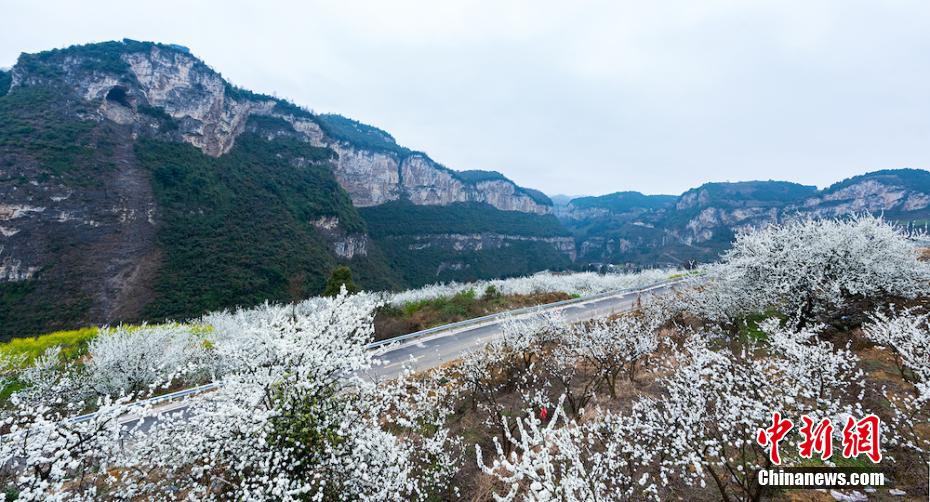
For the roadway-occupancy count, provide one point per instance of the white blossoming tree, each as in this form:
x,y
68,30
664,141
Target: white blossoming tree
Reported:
x,y
615,347
131,359
806,266
290,418
563,460
713,406
907,335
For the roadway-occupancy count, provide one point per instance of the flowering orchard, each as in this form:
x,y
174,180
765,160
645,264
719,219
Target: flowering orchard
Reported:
x,y
579,283
290,421
673,400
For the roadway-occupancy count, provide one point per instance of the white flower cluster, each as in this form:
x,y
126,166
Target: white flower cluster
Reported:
x,y
564,460
120,361
130,359
805,267
580,283
907,335
701,426
290,419
541,453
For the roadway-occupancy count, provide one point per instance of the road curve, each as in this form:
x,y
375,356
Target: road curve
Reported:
x,y
429,352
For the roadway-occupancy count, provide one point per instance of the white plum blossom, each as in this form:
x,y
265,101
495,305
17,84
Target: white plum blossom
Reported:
x,y
819,374
51,457
579,283
712,406
563,460
524,338
806,266
131,359
614,347
907,335
289,419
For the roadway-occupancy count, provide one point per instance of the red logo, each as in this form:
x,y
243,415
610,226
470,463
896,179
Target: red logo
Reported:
x,y
862,437
773,435
859,437
817,438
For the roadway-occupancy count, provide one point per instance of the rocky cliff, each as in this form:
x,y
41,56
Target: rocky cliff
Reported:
x,y
699,224
136,77
137,184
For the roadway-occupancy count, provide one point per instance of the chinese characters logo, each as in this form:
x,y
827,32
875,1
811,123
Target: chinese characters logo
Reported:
x,y
860,437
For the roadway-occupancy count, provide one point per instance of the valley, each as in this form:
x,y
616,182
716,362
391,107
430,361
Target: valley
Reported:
x,y
137,184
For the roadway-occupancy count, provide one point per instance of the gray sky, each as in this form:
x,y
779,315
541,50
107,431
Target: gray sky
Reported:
x,y
568,97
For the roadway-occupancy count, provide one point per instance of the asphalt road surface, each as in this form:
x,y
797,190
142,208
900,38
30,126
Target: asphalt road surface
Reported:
x,y
435,350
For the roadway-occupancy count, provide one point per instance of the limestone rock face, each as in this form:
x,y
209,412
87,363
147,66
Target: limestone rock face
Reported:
x,y
189,91
211,113
569,212
370,178
869,195
345,245
503,195
426,183
482,241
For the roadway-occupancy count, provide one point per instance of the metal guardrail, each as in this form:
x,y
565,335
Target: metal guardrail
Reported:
x,y
157,399
424,333
521,311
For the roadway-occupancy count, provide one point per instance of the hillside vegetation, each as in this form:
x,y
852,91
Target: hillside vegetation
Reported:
x,y
236,229
436,258
137,184
460,218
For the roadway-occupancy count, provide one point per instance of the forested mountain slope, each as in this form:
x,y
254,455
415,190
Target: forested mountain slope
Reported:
x,y
137,184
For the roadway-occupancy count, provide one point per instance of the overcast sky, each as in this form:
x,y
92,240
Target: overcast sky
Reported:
x,y
568,97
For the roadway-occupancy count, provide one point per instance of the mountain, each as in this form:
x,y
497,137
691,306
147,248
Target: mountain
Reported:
x,y
632,228
136,183
562,199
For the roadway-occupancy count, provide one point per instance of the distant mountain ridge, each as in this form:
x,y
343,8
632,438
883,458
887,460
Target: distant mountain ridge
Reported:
x,y
628,227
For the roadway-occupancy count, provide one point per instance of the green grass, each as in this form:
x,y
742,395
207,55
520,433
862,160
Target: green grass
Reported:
x,y
749,325
393,321
456,305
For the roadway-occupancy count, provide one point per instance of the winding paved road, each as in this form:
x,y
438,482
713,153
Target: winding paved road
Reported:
x,y
435,350
441,345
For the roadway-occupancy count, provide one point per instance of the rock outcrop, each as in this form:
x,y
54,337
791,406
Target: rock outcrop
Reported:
x,y
137,184
344,244
140,77
483,241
